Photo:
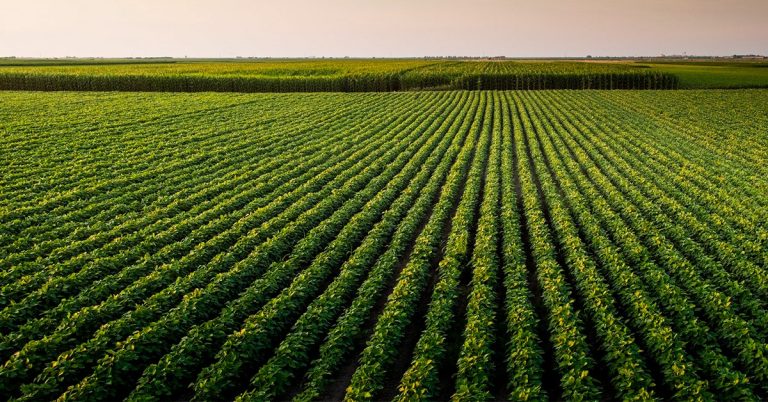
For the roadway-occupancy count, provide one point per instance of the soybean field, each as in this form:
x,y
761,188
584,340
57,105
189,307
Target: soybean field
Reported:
x,y
444,245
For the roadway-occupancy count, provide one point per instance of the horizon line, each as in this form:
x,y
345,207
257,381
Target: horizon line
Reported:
x,y
391,57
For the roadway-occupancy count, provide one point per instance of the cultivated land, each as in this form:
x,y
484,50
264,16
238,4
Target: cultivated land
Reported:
x,y
454,244
333,75
716,74
381,75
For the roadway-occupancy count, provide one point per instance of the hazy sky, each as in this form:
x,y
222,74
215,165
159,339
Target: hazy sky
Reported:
x,y
227,28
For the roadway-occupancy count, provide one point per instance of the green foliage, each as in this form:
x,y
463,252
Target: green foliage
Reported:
x,y
330,76
527,245
700,75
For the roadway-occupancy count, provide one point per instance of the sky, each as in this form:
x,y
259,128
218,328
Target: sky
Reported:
x,y
381,28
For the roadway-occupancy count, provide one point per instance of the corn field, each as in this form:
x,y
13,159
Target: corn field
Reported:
x,y
331,76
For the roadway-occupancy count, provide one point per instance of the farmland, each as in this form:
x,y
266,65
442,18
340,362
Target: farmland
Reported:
x,y
715,74
339,75
465,245
380,75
